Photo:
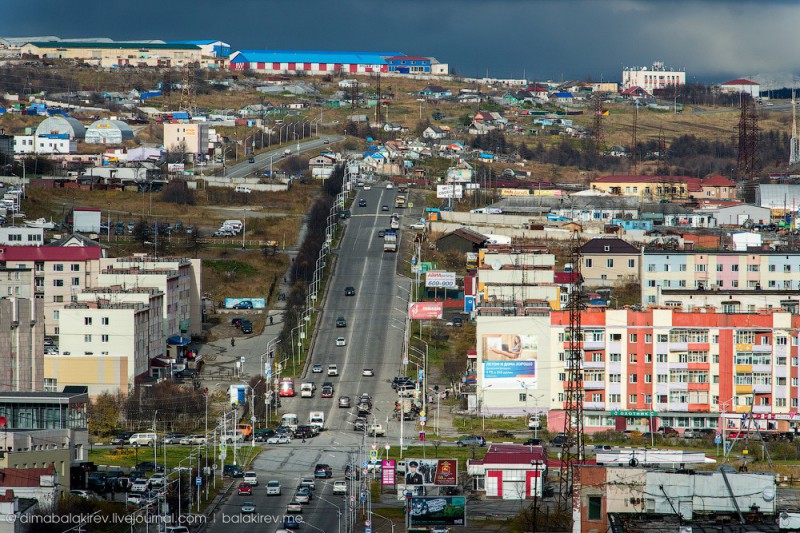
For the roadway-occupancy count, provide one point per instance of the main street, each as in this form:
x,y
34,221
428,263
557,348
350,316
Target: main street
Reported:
x,y
264,159
374,334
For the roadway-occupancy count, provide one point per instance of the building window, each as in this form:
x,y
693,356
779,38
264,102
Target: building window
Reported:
x,y
58,299
58,283
752,268
597,398
610,263
76,282
648,338
56,314
588,263
734,268
648,378
104,320
632,398
595,507
633,337
87,321
614,378
632,378
771,268
50,385
700,268
614,398
87,338
615,357
104,338
75,267
58,267
522,397
633,358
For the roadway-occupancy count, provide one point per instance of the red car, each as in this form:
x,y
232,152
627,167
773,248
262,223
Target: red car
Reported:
x,y
245,489
327,392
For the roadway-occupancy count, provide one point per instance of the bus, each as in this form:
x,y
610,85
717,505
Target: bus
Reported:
x,y
290,420
286,387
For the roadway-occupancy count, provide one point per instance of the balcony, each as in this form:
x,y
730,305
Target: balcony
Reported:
x,y
678,346
678,407
594,406
698,408
594,385
594,365
678,366
743,369
698,366
744,389
678,386
762,409
699,386
762,348
594,345
762,389
765,369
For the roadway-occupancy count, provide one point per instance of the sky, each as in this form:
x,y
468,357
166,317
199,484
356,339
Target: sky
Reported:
x,y
712,40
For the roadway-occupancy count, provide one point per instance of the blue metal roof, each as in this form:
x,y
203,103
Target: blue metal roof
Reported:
x,y
199,43
312,56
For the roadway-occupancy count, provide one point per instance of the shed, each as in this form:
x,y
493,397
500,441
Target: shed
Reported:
x,y
462,240
738,215
108,132
62,125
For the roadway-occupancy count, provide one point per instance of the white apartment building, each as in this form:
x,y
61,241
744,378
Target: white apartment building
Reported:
x,y
21,236
193,138
652,78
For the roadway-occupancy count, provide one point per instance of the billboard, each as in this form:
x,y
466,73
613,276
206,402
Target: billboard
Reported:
x,y
439,279
438,511
242,303
387,472
509,361
514,192
426,311
432,472
449,191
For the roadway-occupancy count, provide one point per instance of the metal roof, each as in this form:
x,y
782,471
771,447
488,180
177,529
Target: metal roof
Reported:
x,y
778,196
312,56
113,45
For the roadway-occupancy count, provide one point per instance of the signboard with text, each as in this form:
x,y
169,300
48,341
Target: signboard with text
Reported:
x,y
388,470
437,511
440,279
450,191
426,311
432,472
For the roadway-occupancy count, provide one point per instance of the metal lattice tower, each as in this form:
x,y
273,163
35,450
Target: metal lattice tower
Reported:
x,y
662,146
794,143
597,124
378,107
634,140
187,89
747,156
572,449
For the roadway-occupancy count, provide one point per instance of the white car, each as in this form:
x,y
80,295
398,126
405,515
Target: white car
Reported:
x,y
294,507
316,369
242,188
157,480
333,370
420,226
341,341
279,439
367,187
273,487
340,487
251,477
140,485
133,499
389,186
368,372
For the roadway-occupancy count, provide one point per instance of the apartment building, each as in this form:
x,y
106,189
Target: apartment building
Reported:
x,y
645,368
21,236
21,344
609,261
717,270
657,76
59,273
185,137
670,188
509,276
16,282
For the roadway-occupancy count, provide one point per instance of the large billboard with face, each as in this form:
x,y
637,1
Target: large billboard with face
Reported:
x,y
432,472
510,361
438,511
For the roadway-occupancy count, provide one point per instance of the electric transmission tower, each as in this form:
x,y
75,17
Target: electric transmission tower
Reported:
x,y
597,124
634,139
747,156
572,447
187,89
794,143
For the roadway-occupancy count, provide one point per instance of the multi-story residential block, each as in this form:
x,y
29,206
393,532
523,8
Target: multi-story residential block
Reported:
x,y
717,270
16,282
609,261
180,279
645,368
21,343
651,78
116,54
21,236
189,138
511,277
731,300
672,188
59,273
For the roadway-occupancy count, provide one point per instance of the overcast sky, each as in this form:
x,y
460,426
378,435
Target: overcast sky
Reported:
x,y
548,39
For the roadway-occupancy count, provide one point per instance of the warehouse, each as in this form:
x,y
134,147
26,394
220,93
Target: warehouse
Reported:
x,y
108,132
60,125
116,54
311,62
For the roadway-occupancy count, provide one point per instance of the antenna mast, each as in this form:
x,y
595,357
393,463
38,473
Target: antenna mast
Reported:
x,y
794,143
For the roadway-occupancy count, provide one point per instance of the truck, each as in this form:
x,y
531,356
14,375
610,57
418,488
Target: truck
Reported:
x,y
290,420
307,390
407,408
395,221
400,201
317,419
390,241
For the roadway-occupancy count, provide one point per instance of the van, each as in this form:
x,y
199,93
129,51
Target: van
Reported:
x,y
307,390
234,224
143,439
242,188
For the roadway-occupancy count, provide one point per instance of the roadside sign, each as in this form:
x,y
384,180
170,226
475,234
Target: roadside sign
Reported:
x,y
423,419
717,440
198,481
241,359
422,423
373,454
367,530
422,414
221,456
223,447
367,523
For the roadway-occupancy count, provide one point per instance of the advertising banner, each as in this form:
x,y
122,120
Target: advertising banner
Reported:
x,y
387,472
440,280
426,311
450,191
432,472
509,361
514,192
438,511
245,303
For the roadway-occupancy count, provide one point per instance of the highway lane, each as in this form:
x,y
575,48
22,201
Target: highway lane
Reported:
x,y
262,160
374,340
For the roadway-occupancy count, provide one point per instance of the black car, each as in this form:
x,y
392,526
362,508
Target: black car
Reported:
x,y
185,373
96,481
122,438
304,432
232,471
349,291
262,434
381,233
247,328
534,442
251,160
458,322
341,322
149,466
362,203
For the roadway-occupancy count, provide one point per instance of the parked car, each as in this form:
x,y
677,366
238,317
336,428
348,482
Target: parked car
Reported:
x,y
173,438
689,433
122,438
149,466
471,440
279,439
232,471
666,430
534,442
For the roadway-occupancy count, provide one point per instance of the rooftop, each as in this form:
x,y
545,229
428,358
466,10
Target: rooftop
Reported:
x,y
49,253
312,56
740,81
125,46
511,454
25,477
609,246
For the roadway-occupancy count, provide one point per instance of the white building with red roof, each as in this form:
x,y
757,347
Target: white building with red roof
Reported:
x,y
509,471
741,85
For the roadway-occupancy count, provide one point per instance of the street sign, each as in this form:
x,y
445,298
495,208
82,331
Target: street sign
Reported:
x,y
717,440
215,466
367,530
422,423
242,359
422,414
374,446
223,447
367,523
373,454
422,419
405,361
222,456
198,481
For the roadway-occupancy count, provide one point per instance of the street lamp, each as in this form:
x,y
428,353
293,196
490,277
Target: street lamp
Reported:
x,y
338,511
483,406
372,513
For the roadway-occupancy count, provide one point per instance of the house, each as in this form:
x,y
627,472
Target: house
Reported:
x,y
608,261
741,85
635,93
463,240
409,64
739,215
563,98
509,471
479,128
322,160
391,126
671,188
434,132
15,512
435,92
469,98
41,484
490,118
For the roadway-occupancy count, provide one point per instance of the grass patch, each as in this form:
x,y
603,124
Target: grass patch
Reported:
x,y
230,266
492,424
175,454
430,451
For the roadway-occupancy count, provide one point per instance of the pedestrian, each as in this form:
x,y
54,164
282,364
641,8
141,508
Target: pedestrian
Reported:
x,y
233,342
270,320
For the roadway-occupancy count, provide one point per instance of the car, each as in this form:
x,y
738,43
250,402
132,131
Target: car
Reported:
x,y
458,322
245,304
247,329
304,432
242,188
140,485
149,466
251,160
186,441
262,434
471,440
365,398
345,214
333,370
362,203
381,233
689,433
341,341
558,440
294,507
307,483
666,430
326,141
232,471
248,508
273,487
363,408
316,369
245,489
87,494
419,226
534,442
376,430
134,498
122,438
389,186
373,465
341,322
323,471
349,291
384,207
340,487
173,438
367,187
251,477
289,522
158,480
359,424
303,495
344,402
279,439
397,381
368,372
327,391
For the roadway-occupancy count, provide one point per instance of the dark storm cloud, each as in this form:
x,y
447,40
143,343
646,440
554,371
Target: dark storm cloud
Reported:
x,y
545,39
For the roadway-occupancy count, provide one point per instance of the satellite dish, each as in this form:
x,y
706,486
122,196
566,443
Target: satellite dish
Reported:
x,y
633,462
496,265
768,494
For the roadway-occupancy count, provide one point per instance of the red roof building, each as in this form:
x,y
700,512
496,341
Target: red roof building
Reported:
x,y
669,187
510,471
741,85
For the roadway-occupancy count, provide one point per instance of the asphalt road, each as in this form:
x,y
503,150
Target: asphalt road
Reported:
x,y
262,160
374,340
